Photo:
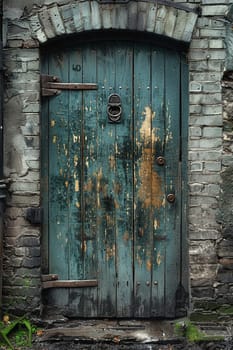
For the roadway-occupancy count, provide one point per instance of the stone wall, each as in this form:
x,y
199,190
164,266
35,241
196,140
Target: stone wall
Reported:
x,y
211,276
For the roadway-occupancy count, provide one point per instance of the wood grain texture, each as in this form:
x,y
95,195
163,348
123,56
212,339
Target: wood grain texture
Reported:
x,y
107,214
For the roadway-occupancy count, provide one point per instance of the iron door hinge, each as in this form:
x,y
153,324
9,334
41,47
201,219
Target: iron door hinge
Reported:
x,y
52,86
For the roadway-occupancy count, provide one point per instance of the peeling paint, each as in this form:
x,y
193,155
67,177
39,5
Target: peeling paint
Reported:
x,y
112,162
148,265
76,185
159,259
75,138
110,252
52,123
54,139
156,224
149,178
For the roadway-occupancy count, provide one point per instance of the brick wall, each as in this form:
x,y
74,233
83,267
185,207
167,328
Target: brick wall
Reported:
x,y
209,150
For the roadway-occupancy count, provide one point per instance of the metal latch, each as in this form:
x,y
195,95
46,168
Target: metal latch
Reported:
x,y
52,86
114,108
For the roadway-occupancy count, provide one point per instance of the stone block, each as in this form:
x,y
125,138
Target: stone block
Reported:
x,y
205,155
203,234
56,20
66,13
28,241
212,110
196,166
212,33
31,262
213,166
214,10
212,132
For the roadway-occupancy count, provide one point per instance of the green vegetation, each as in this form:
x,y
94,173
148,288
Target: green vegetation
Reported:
x,y
16,333
192,333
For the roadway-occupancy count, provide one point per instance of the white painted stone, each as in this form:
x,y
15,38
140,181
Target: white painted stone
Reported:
x,y
160,19
67,16
78,23
95,15
37,32
180,25
85,15
132,15
170,22
57,20
190,23
47,24
142,16
122,17
151,15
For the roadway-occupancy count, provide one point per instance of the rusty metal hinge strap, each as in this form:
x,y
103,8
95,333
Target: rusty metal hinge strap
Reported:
x,y
69,284
51,85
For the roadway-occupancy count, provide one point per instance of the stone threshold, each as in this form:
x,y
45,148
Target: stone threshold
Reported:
x,y
127,334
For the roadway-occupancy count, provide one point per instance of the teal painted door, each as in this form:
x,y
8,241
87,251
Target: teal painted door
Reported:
x,y
107,214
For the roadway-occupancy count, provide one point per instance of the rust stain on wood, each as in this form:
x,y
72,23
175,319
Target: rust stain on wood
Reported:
x,y
149,178
76,185
148,265
110,252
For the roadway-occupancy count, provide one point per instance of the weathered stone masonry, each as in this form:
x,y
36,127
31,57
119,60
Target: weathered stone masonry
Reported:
x,y
27,26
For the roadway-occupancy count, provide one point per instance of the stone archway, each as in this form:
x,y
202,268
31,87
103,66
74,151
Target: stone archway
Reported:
x,y
163,18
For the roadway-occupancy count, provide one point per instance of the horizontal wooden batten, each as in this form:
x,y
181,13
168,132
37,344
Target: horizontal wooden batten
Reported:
x,y
69,284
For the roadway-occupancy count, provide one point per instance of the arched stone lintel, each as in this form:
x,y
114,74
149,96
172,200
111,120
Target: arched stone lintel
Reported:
x,y
162,19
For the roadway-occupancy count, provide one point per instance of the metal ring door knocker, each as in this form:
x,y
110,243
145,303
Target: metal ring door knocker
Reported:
x,y
114,108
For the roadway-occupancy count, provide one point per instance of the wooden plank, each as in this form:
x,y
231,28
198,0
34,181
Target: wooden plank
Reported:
x,y
143,178
159,230
72,86
123,186
59,180
69,284
105,178
172,155
90,168
75,168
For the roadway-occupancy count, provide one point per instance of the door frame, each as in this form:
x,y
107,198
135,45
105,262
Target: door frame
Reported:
x,y
182,297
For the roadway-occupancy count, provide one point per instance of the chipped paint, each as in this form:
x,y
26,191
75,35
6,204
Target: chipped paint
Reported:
x,y
99,176
148,265
159,259
148,176
76,186
149,180
84,246
75,138
156,224
112,162
110,252
75,160
52,123
88,186
54,139
146,133
66,184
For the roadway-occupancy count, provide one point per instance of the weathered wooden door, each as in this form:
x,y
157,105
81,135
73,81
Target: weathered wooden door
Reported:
x,y
111,187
